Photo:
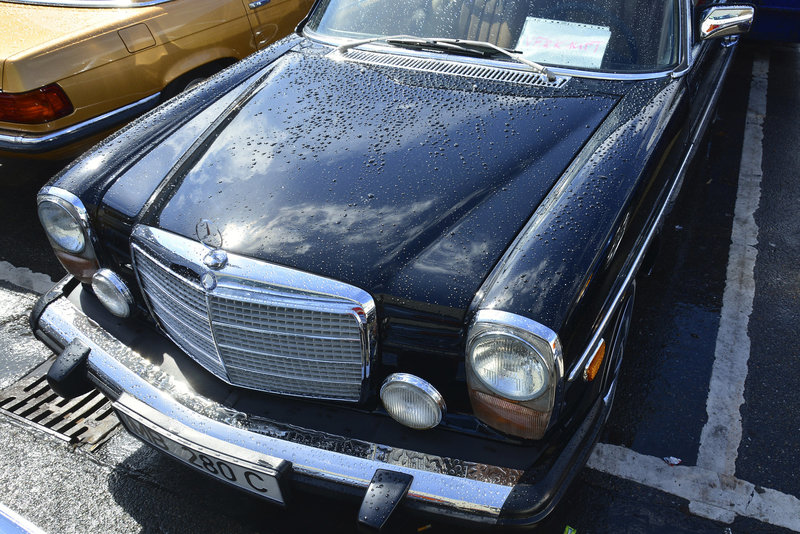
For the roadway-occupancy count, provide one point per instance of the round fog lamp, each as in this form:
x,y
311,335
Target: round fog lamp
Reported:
x,y
412,401
112,292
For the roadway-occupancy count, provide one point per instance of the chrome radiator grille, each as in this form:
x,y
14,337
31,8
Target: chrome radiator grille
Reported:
x,y
179,306
261,326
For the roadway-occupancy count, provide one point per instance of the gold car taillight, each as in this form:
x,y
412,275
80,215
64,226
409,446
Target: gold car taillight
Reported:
x,y
513,367
35,107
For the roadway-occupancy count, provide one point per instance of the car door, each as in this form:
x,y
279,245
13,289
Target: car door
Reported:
x,y
274,19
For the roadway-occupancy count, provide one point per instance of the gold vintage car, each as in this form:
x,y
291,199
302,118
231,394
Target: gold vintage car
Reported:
x,y
71,70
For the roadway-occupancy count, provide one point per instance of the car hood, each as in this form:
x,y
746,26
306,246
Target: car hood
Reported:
x,y
404,184
31,30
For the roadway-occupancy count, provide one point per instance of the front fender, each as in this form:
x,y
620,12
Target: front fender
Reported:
x,y
574,252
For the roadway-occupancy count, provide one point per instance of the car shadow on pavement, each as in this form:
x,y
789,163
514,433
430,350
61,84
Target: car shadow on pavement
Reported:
x,y
22,241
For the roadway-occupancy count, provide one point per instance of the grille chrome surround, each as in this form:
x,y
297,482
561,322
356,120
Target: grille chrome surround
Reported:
x,y
510,74
260,326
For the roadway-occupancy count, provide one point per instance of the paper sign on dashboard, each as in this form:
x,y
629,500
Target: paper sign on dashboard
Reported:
x,y
564,43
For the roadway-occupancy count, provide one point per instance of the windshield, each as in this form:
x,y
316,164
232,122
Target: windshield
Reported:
x,y
602,35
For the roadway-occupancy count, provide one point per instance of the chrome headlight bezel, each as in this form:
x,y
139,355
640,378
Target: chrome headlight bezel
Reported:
x,y
70,206
543,354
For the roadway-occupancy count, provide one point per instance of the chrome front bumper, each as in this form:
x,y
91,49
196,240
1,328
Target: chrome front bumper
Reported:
x,y
138,387
459,490
28,143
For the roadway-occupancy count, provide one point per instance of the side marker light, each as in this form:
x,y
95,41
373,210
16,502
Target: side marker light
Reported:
x,y
595,362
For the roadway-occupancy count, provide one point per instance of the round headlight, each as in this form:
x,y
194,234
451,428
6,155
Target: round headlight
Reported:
x,y
412,401
112,292
509,366
62,226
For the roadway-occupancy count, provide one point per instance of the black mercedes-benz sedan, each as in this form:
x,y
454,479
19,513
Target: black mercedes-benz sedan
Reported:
x,y
392,256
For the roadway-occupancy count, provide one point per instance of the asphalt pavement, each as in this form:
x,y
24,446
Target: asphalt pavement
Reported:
x,y
710,376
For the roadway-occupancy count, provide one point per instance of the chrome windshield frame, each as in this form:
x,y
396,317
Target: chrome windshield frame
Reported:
x,y
686,55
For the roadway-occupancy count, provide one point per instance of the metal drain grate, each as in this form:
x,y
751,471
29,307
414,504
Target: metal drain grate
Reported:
x,y
87,419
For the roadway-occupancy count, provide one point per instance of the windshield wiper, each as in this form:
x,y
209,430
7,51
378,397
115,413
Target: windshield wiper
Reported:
x,y
457,46
385,38
482,48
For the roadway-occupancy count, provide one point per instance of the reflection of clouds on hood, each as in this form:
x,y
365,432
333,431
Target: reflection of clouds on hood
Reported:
x,y
398,188
130,192
287,229
448,256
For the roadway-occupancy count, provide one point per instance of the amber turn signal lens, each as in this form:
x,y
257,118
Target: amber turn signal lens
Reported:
x,y
594,364
80,268
508,416
35,107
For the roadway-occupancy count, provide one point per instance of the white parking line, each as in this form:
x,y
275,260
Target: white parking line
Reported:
x,y
705,488
25,278
722,434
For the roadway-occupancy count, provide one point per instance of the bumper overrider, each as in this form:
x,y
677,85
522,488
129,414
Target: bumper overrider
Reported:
x,y
268,457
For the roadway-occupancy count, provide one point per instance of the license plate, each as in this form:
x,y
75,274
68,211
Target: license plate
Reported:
x,y
250,477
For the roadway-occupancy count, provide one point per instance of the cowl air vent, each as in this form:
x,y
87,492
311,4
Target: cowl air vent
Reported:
x,y
455,68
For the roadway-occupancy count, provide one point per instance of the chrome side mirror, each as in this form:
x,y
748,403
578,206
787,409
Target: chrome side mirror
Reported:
x,y
725,20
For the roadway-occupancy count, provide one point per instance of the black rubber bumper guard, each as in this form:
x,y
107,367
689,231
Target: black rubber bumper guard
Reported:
x,y
385,491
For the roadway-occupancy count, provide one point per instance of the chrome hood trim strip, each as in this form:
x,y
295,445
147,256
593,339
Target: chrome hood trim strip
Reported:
x,y
147,390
